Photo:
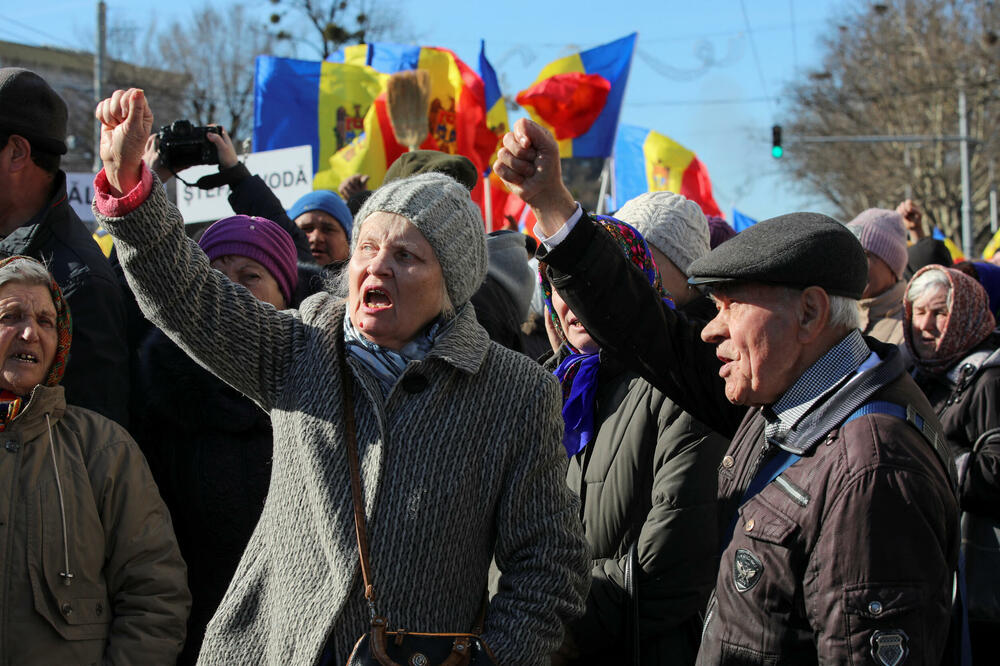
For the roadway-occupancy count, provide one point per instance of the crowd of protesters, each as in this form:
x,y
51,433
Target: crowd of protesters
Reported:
x,y
641,439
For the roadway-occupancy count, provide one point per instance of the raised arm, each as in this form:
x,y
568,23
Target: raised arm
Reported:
x,y
612,298
220,324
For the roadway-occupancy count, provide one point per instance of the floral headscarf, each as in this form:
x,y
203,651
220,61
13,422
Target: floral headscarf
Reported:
x,y
577,373
969,321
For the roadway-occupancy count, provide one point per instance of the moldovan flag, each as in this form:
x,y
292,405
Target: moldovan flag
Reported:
x,y
319,104
579,97
647,161
498,123
456,117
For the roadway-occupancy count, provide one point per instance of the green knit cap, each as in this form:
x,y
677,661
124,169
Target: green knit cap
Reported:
x,y
444,213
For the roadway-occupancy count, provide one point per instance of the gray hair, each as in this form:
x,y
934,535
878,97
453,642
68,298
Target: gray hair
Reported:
x,y
845,312
934,277
25,270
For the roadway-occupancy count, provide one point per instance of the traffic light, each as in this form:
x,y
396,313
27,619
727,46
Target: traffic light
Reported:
x,y
776,150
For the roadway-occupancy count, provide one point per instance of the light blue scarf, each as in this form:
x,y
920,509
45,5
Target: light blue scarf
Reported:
x,y
387,365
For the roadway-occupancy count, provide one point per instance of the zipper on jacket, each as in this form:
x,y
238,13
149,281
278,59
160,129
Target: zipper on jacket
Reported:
x,y
9,547
708,617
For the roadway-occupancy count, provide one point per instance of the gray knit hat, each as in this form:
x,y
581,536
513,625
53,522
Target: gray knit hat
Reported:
x,y
30,108
670,222
882,233
444,213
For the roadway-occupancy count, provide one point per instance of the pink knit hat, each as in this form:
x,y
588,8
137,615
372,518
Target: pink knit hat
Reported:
x,y
882,233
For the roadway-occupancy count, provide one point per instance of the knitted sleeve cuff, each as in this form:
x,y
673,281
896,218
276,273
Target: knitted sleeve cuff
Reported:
x,y
111,206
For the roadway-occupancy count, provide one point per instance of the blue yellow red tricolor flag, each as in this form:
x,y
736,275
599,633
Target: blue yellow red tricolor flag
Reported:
x,y
457,118
320,104
647,161
579,97
498,123
338,107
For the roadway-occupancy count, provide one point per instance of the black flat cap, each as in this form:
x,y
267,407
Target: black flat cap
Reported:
x,y
458,167
796,250
30,108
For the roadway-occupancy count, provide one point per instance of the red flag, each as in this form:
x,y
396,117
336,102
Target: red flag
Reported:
x,y
569,102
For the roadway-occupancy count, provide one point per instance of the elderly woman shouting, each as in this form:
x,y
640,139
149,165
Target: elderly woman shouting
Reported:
x,y
950,335
92,573
458,438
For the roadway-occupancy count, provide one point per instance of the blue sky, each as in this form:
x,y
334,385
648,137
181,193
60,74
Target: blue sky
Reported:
x,y
710,74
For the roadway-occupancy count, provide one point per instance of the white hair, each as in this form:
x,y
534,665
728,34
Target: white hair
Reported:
x,y
927,280
25,270
845,311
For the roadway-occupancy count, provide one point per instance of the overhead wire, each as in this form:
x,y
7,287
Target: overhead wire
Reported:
x,y
753,49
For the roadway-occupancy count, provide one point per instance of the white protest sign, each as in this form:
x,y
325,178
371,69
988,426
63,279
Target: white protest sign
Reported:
x,y
288,172
80,193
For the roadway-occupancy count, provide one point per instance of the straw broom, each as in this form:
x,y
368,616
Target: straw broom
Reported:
x,y
408,95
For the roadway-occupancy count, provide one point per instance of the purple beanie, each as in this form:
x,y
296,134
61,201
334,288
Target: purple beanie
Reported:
x,y
719,231
882,233
259,239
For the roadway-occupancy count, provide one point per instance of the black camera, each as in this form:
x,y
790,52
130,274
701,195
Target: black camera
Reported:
x,y
183,145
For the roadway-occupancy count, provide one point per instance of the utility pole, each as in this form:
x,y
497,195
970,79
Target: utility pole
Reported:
x,y
99,78
963,130
993,199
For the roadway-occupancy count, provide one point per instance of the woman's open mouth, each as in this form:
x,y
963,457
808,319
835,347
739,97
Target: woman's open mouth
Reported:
x,y
375,299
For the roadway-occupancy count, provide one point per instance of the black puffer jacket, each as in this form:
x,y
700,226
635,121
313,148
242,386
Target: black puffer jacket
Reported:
x,y
967,400
209,448
97,373
649,477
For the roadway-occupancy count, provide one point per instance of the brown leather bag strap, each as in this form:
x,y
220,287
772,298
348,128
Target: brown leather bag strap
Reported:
x,y
352,459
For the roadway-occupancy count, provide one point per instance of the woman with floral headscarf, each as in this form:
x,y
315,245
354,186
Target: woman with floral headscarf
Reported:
x,y
91,565
645,472
951,337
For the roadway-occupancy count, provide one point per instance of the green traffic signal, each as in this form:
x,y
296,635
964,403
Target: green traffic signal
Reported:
x,y
777,152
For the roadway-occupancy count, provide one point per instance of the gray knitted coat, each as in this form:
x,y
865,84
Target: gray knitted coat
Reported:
x,y
457,467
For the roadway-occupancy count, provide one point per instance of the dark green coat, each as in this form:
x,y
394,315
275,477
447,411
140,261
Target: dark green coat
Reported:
x,y
650,476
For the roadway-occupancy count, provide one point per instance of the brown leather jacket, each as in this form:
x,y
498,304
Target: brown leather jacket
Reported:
x,y
860,537
849,552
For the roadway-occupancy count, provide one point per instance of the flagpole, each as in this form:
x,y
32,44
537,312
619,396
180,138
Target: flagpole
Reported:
x,y
488,202
614,188
605,172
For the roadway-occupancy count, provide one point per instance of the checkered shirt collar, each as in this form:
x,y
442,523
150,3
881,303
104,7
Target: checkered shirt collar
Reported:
x,y
827,373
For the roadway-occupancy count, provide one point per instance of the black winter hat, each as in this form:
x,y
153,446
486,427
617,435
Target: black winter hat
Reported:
x,y
31,108
797,250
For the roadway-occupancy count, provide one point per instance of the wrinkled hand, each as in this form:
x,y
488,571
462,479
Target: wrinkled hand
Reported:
x,y
224,146
353,185
912,218
529,164
126,121
153,160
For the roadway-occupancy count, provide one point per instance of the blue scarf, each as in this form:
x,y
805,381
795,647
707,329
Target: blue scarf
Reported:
x,y
578,404
578,372
385,364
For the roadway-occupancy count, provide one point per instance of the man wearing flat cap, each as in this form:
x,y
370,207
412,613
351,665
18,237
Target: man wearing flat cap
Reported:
x,y
36,220
838,519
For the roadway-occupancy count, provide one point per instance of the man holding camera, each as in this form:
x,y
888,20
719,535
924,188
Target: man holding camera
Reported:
x,y
36,220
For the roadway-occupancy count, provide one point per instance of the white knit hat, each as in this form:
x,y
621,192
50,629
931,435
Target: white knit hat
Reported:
x,y
672,223
442,210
